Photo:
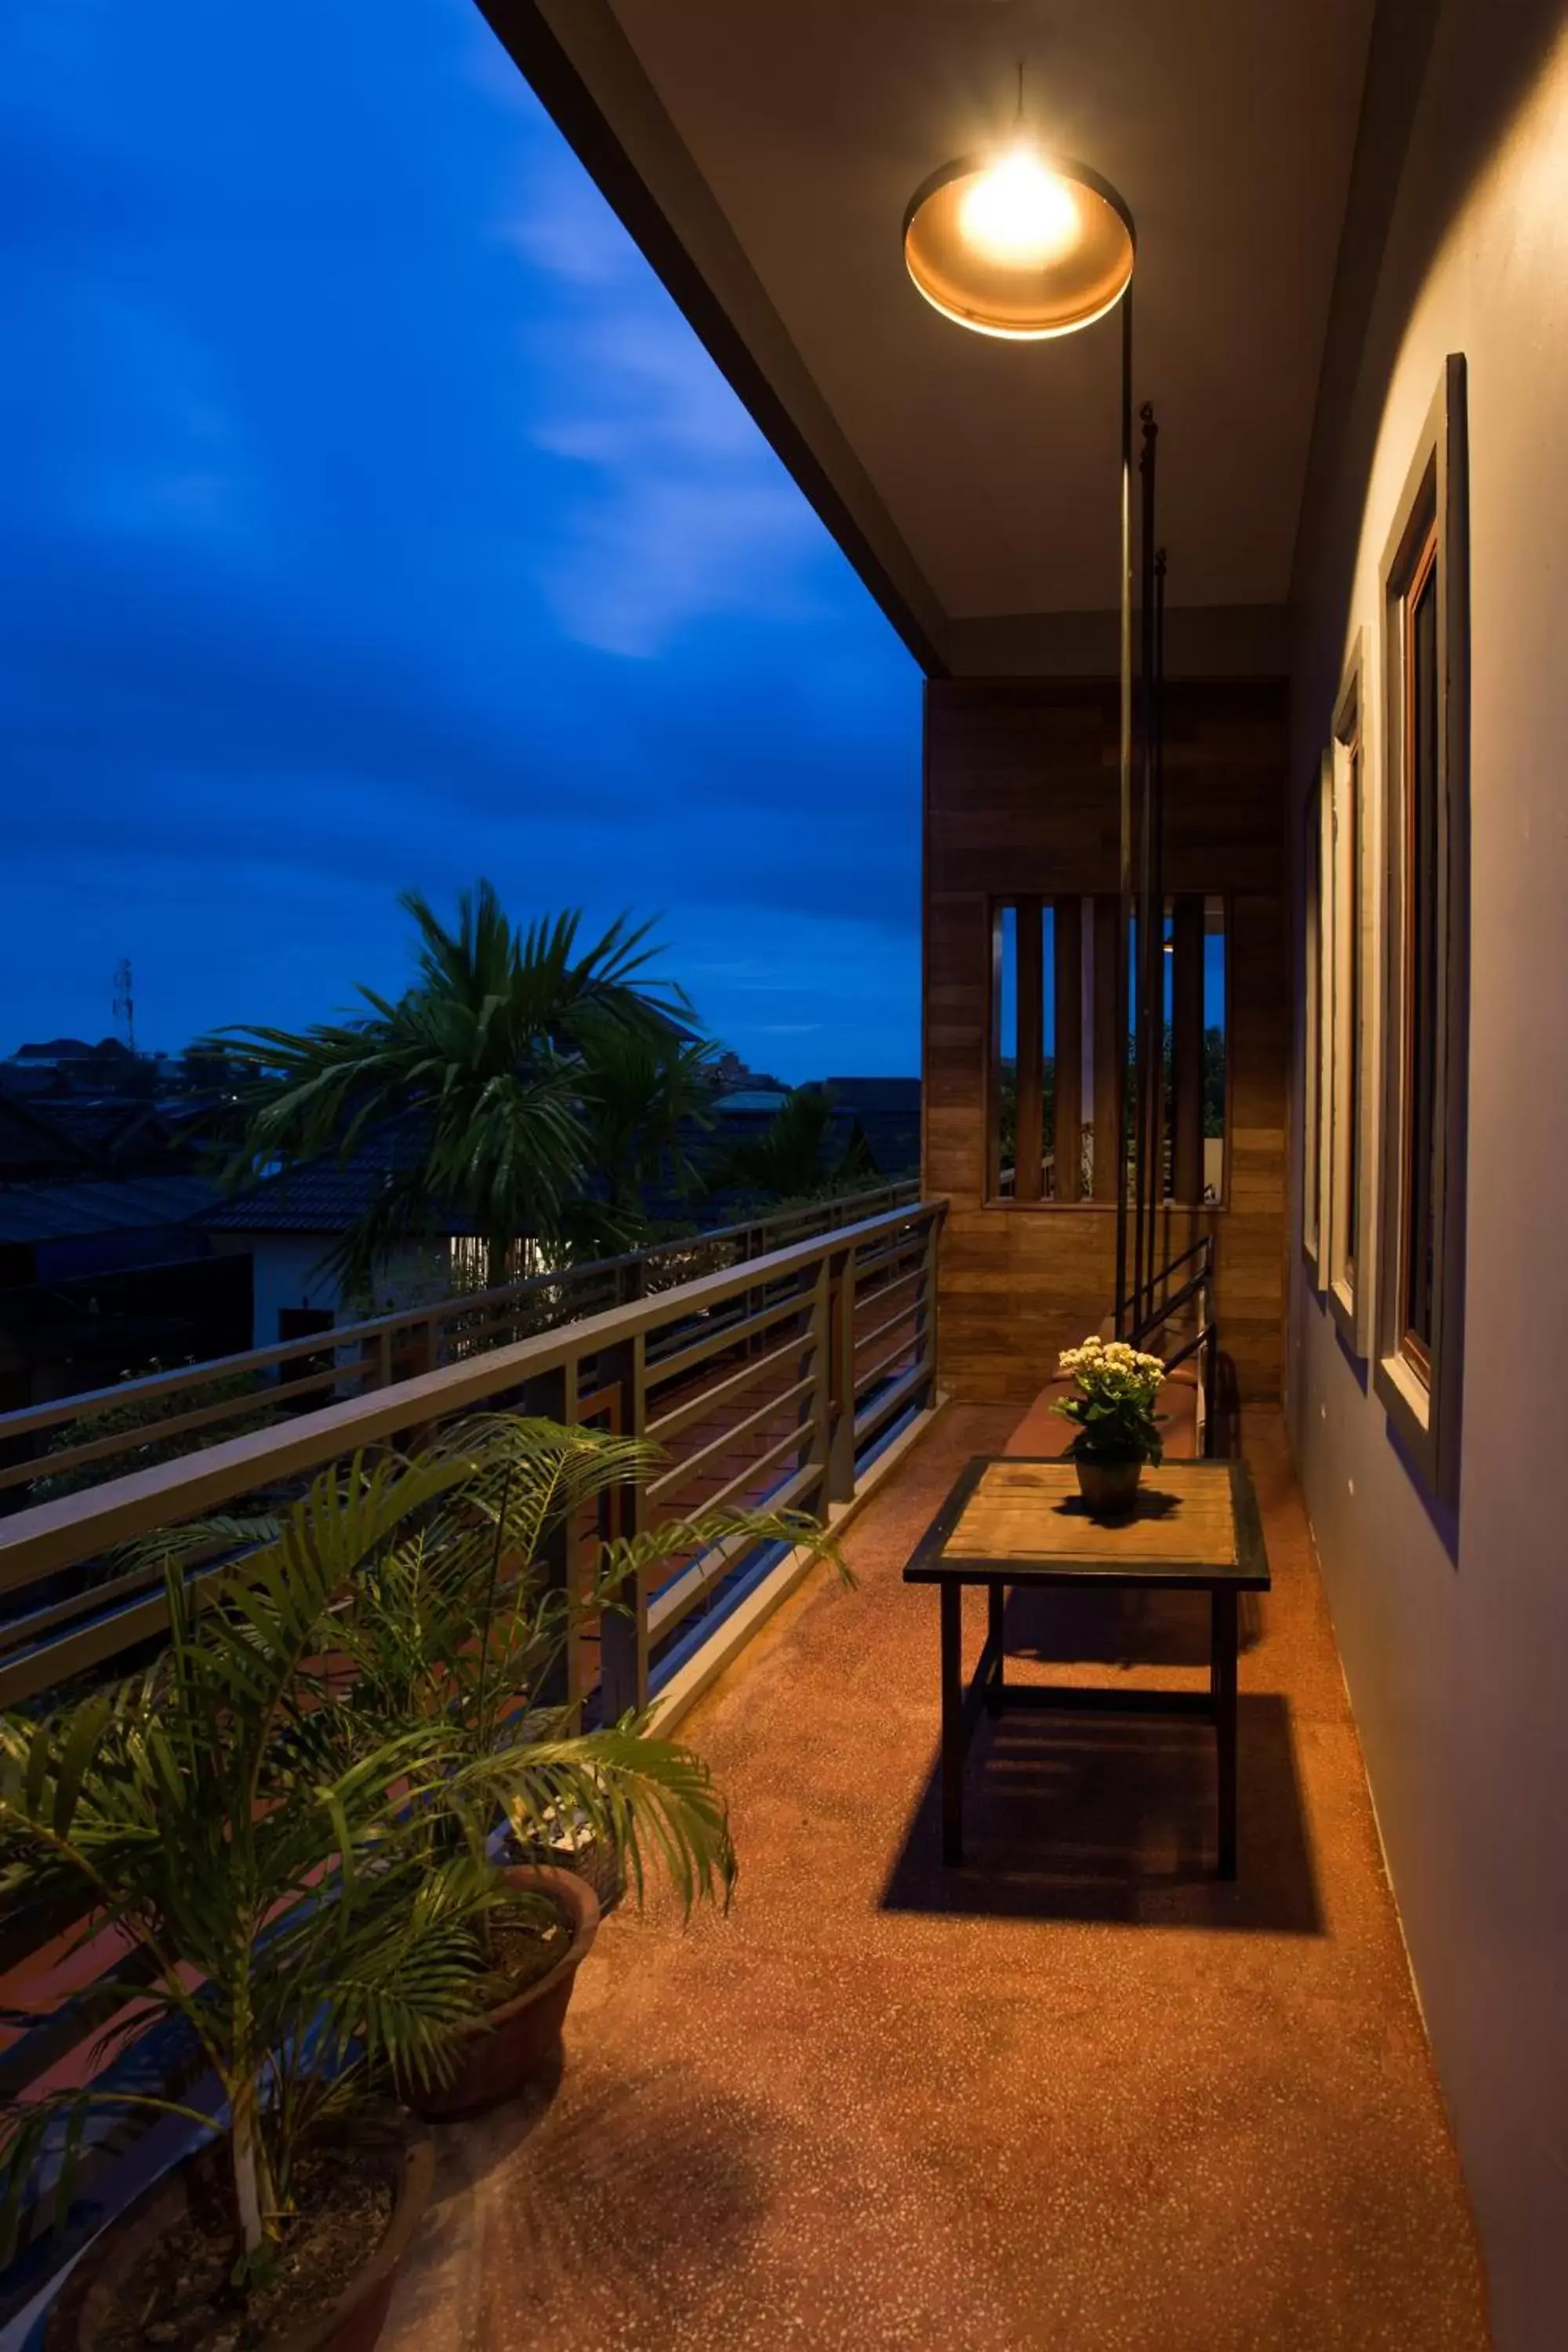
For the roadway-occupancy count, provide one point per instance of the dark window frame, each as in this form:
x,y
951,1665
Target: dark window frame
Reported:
x,y
1419,1375
1350,1156
1317,1088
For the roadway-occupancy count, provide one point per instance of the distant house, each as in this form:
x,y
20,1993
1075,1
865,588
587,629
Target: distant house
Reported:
x,y
36,1149
104,1264
287,1223
886,1110
889,1110
107,1275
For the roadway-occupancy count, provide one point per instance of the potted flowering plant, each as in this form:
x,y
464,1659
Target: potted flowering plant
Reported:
x,y
1117,1430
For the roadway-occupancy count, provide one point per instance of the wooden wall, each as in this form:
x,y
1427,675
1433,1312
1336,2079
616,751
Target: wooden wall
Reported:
x,y
1021,796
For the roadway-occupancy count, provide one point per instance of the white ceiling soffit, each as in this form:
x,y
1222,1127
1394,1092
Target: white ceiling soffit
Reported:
x,y
764,154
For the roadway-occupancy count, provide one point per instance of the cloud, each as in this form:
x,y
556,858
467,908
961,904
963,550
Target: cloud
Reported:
x,y
370,515
679,509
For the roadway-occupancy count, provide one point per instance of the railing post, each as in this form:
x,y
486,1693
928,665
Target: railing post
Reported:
x,y
838,1372
1210,1349
623,1631
812,1410
376,1352
925,1324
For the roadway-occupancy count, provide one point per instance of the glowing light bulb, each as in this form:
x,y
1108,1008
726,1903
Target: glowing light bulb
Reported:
x,y
1019,213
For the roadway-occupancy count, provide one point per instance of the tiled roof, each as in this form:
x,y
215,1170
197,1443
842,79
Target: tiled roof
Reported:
x,y
45,1212
326,1195
889,1110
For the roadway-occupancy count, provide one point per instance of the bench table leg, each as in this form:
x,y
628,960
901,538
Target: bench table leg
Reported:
x,y
952,1740
1222,1683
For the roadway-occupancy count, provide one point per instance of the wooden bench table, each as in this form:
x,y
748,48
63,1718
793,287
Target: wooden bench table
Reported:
x,y
1015,1522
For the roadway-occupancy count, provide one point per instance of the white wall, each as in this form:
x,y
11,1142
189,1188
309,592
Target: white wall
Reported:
x,y
1454,1631
286,1271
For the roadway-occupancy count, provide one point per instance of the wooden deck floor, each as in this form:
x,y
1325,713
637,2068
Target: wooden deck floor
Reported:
x,y
1076,2095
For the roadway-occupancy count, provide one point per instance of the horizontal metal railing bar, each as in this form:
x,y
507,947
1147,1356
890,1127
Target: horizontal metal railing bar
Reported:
x,y
92,1601
879,1330
888,1289
27,1419
662,1370
82,1406
908,1248
75,1527
105,1637
800,1435
125,1440
687,1591
666,1425
684,1591
871,1417
681,1474
875,1293
869,1301
879,1369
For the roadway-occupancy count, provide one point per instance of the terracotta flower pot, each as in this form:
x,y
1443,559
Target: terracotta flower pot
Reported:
x,y
85,2305
1110,1488
513,2042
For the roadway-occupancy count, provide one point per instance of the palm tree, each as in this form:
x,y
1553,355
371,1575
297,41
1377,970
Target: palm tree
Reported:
x,y
797,1157
646,1096
202,1810
286,1816
480,1075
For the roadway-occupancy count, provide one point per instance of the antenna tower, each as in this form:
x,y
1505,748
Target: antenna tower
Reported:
x,y
124,1009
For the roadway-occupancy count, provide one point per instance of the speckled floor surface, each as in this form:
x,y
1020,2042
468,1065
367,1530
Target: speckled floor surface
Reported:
x,y
1076,2095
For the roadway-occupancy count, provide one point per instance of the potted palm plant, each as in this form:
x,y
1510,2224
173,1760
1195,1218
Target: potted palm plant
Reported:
x,y
263,1870
458,1623
1117,1430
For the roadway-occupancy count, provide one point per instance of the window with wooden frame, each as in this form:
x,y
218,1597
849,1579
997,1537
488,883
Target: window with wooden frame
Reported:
x,y
1316,866
1054,1050
1425,834
1348,1224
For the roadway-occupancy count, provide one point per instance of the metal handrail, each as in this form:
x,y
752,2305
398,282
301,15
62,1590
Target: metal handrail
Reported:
x,y
1204,1243
1203,1342
1199,1284
815,1287
802,1421
366,1355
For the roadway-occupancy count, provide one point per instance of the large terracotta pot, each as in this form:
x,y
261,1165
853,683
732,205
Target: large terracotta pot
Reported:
x,y
351,2323
1110,1488
514,2043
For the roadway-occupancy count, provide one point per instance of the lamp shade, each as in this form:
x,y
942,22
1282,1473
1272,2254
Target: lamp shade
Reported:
x,y
1019,245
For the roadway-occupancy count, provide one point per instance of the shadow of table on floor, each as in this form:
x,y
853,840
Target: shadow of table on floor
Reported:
x,y
1112,1817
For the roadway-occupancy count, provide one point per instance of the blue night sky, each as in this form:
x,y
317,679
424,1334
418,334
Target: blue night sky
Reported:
x,y
370,516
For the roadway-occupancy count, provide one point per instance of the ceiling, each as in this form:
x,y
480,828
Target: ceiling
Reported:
x,y
778,145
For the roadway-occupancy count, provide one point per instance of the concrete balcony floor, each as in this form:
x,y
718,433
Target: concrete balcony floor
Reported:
x,y
1077,2094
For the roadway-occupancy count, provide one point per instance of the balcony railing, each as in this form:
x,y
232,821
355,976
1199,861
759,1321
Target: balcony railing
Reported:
x,y
355,1359
776,1380
772,1379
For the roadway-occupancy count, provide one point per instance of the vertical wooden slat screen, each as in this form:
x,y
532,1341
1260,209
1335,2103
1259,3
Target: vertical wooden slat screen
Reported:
x,y
1187,1048
1108,1049
1030,962
992,1168
1068,925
